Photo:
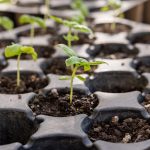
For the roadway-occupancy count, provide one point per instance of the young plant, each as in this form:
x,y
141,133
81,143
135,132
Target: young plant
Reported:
x,y
114,5
28,19
8,1
6,23
18,50
76,62
47,13
72,26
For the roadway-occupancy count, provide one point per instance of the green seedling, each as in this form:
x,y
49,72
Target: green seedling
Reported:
x,y
18,50
72,26
6,23
8,1
47,13
83,10
114,5
76,62
28,19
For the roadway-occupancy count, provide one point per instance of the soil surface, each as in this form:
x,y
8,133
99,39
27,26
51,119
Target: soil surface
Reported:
x,y
57,66
29,83
112,51
39,32
4,42
56,103
107,28
146,102
127,131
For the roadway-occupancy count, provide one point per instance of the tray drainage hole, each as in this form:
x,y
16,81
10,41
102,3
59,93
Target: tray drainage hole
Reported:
x,y
112,51
117,130
15,126
116,82
56,103
142,64
57,66
30,82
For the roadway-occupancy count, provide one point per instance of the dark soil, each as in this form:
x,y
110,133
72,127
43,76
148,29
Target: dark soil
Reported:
x,y
56,103
29,83
127,131
4,42
57,66
146,102
106,28
140,38
42,51
83,39
112,51
39,32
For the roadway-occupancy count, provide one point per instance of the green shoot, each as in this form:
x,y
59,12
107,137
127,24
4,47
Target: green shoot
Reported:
x,y
8,1
72,25
47,13
6,23
114,5
76,62
18,50
28,19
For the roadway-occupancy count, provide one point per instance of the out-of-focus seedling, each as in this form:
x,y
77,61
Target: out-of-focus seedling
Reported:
x,y
72,26
114,5
18,50
76,62
47,8
6,23
28,19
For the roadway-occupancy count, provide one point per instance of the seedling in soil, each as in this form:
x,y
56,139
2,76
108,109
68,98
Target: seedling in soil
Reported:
x,y
47,7
76,62
6,23
18,50
114,5
28,19
82,8
72,25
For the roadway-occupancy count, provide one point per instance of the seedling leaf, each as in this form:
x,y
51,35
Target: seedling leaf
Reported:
x,y
6,23
80,78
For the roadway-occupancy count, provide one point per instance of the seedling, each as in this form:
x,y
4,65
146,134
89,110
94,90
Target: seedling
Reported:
x,y
18,50
82,8
28,19
6,23
114,5
47,13
76,62
8,1
72,25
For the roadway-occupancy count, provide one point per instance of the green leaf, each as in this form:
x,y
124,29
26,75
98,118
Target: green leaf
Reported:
x,y
79,19
95,63
68,51
82,28
80,77
6,23
5,1
57,19
71,37
87,67
32,20
106,8
64,78
69,24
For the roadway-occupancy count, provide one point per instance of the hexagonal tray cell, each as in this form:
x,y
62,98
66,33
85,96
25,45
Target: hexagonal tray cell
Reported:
x,y
139,37
111,28
3,62
142,64
30,82
116,82
56,102
56,65
38,32
112,51
15,126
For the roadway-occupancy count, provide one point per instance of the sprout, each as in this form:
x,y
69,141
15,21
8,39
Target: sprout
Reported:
x,y
18,50
47,13
76,62
72,25
114,5
6,23
28,19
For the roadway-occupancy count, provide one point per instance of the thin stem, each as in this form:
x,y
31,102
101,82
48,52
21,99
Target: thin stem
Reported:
x,y
71,83
113,26
47,13
69,35
32,33
18,71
